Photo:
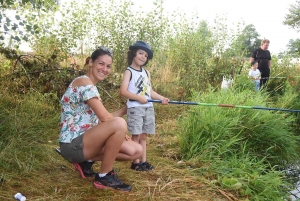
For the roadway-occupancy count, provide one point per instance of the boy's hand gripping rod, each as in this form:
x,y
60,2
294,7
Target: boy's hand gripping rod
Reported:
x,y
226,105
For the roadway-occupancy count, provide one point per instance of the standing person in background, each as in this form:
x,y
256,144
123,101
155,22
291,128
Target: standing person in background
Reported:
x,y
263,57
136,87
254,74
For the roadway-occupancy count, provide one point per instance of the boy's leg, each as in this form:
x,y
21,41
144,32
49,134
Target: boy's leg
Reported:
x,y
142,141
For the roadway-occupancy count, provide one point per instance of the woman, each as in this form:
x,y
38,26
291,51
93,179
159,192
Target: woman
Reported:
x,y
88,132
263,57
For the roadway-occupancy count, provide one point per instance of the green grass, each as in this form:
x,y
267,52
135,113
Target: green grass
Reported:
x,y
28,163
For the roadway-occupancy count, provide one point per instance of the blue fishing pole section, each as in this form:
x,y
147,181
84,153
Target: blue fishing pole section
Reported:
x,y
225,105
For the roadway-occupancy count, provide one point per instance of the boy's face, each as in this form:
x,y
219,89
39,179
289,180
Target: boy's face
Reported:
x,y
254,66
140,58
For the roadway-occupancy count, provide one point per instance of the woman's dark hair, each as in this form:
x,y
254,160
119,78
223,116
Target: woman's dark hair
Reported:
x,y
87,61
131,54
86,64
100,52
253,62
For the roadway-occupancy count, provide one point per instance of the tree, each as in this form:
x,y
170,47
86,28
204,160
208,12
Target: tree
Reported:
x,y
18,17
294,47
249,39
292,19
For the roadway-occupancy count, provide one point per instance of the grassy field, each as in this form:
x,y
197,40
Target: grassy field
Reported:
x,y
30,165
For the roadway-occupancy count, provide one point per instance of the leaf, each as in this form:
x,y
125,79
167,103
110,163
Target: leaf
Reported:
x,y
5,28
17,17
248,191
35,27
28,27
25,38
17,38
15,27
21,23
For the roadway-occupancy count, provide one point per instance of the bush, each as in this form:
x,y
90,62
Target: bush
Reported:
x,y
214,132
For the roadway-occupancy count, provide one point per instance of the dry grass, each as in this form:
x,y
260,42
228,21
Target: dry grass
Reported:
x,y
56,179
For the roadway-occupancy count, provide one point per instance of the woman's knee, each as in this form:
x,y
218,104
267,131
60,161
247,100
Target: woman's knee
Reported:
x,y
138,150
120,124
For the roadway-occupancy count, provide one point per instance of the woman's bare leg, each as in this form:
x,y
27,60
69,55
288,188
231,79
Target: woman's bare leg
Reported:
x,y
108,135
129,151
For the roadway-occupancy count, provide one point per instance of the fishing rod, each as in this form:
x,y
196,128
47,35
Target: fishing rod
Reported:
x,y
225,105
278,77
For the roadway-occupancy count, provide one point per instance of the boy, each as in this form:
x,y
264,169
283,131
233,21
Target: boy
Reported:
x,y
136,87
254,73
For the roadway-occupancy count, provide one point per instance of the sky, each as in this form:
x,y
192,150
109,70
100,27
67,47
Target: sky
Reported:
x,y
266,15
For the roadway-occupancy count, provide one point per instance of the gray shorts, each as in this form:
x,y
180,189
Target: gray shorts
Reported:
x,y
73,152
141,120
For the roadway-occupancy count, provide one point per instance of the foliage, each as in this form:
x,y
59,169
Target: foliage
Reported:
x,y
81,28
212,132
18,18
241,146
292,19
248,40
293,47
18,132
251,178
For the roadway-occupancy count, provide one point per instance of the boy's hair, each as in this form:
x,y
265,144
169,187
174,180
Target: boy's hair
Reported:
x,y
131,54
253,62
264,41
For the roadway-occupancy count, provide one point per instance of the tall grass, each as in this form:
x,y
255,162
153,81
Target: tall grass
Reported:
x,y
26,124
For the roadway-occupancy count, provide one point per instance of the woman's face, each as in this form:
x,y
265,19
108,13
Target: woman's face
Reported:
x,y
265,46
101,67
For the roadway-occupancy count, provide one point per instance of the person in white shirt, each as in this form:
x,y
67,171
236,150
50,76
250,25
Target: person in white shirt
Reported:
x,y
255,75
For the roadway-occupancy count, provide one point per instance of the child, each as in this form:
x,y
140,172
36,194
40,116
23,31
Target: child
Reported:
x,y
136,87
254,73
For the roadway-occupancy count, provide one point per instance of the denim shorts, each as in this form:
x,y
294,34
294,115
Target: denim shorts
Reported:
x,y
73,152
141,120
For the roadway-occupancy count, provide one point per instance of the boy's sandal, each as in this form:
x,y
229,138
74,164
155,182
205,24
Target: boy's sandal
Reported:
x,y
148,166
138,167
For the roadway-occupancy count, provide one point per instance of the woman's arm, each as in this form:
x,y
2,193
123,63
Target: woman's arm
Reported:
x,y
99,109
96,104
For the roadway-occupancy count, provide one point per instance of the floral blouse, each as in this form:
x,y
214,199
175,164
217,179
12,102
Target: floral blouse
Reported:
x,y
76,114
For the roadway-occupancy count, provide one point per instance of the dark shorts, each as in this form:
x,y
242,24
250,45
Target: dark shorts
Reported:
x,y
73,152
